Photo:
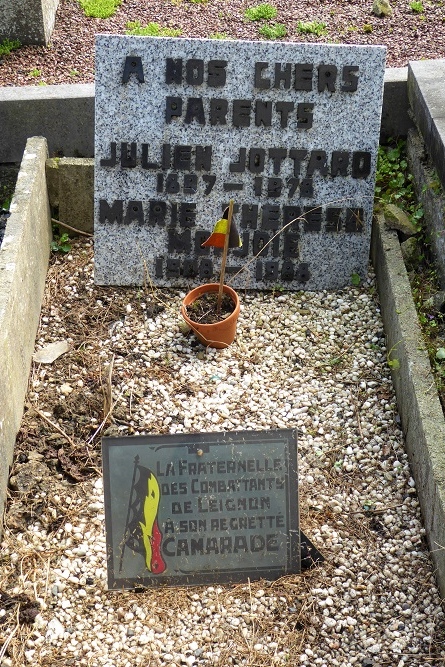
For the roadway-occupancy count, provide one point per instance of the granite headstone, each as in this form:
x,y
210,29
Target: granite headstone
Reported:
x,y
288,131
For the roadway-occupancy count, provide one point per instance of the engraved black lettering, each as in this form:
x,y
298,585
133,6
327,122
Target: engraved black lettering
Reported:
x,y
317,162
173,70
217,73
259,270
194,71
284,109
203,158
305,115
206,269
190,268
179,242
166,156
334,219
277,155
263,113
190,184
159,267
145,163
297,156
172,184
200,237
257,186
243,251
350,78
290,246
187,215
312,219
354,220
326,78
293,184
361,164
270,217
113,213
282,76
303,273
133,65
173,268
195,111
241,113
238,167
218,111
291,213
260,241
257,158
339,163
287,270
173,108
182,157
274,187
210,182
307,188
134,213
111,161
303,76
159,182
260,82
128,157
271,271
157,211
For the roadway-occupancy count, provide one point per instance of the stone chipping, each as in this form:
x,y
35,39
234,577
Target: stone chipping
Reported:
x,y
313,361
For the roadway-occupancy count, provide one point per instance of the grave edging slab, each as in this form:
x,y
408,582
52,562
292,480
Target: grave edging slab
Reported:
x,y
418,404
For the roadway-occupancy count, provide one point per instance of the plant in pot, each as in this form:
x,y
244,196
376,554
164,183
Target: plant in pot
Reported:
x,y
211,310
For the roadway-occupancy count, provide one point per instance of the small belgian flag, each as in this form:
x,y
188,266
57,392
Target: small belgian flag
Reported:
x,y
218,236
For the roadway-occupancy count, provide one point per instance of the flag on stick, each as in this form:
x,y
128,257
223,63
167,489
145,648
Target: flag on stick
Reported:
x,y
218,237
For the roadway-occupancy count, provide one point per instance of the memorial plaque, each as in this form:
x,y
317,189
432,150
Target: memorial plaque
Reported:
x,y
201,508
288,131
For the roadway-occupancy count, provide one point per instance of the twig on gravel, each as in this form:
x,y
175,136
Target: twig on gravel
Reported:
x,y
51,423
4,648
108,392
72,229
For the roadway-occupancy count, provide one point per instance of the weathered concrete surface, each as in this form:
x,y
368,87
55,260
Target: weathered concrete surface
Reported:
x,y
63,114
70,183
395,119
427,100
29,21
418,404
23,264
430,193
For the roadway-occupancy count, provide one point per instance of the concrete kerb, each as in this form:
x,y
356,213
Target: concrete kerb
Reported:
x,y
417,400
24,259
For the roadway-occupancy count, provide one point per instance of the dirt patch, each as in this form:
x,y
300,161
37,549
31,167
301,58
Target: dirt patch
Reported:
x,y
204,310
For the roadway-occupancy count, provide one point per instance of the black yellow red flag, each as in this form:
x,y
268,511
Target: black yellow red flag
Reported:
x,y
218,236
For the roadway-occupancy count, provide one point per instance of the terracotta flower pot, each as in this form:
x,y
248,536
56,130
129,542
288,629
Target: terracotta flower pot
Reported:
x,y
220,334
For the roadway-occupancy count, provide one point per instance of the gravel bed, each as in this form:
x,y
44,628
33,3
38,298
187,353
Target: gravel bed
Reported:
x,y
312,361
69,58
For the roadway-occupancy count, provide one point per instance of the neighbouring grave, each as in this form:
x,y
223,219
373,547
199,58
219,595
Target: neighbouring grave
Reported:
x,y
201,508
286,130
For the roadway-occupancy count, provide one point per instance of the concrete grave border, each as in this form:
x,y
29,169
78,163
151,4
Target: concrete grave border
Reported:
x,y
24,259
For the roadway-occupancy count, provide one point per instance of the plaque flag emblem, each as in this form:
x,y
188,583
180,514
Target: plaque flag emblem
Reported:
x,y
143,534
218,236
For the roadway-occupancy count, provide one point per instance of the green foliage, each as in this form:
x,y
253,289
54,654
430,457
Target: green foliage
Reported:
x,y
74,72
150,30
263,12
35,72
416,6
355,279
273,31
8,45
393,363
219,35
394,182
99,9
367,27
317,28
61,243
440,354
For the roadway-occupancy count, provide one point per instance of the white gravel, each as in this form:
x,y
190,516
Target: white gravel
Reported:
x,y
314,361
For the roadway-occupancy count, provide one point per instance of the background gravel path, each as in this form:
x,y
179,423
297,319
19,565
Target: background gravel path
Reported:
x,y
70,56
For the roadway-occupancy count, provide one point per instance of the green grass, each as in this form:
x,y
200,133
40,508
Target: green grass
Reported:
x,y
273,31
263,12
150,30
8,45
219,35
99,9
416,6
367,27
35,72
317,28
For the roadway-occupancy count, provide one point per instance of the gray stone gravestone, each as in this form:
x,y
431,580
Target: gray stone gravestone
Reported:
x,y
289,131
29,21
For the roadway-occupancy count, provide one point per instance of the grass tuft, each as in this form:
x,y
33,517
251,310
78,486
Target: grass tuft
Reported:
x,y
99,9
263,12
151,30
